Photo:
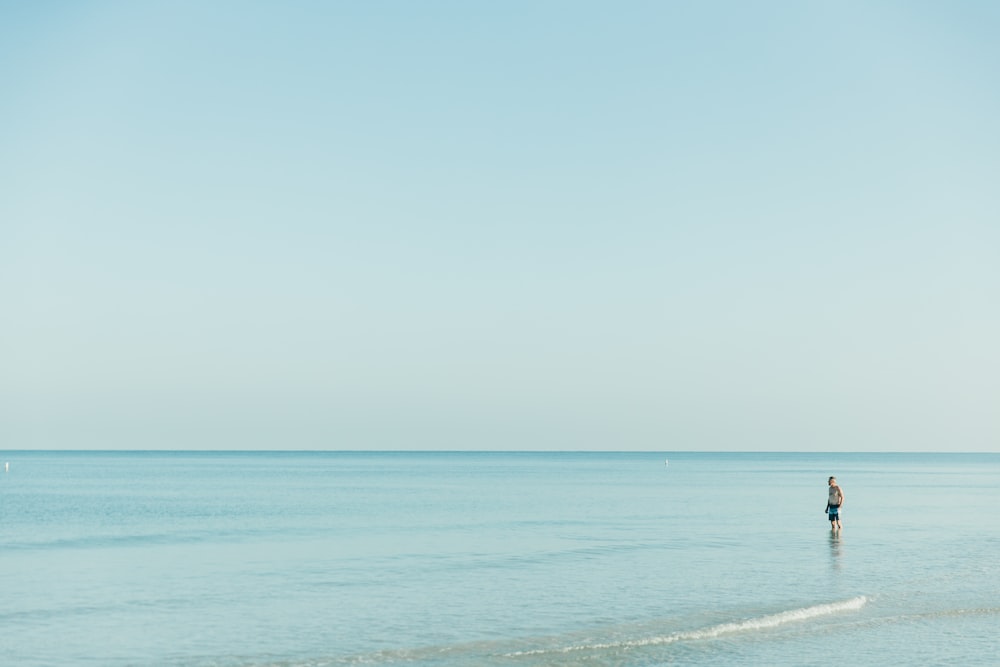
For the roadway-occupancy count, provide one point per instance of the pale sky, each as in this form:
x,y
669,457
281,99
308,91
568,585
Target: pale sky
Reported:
x,y
500,225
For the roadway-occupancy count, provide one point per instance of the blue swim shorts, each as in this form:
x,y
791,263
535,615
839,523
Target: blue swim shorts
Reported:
x,y
834,513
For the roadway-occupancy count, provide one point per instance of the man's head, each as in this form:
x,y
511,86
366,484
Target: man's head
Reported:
x,y
832,481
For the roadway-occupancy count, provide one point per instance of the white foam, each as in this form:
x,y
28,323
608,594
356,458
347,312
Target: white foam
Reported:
x,y
711,632
762,622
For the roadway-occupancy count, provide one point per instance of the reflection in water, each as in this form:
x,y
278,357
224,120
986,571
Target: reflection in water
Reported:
x,y
835,549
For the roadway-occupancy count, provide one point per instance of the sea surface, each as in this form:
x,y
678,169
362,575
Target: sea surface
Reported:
x,y
300,559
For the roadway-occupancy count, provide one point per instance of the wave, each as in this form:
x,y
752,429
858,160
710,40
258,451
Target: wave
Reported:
x,y
498,653
99,541
711,632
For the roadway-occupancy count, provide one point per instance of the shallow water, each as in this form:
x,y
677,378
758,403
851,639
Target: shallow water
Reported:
x,y
295,559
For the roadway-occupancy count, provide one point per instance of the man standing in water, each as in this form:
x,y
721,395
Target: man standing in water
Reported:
x,y
833,503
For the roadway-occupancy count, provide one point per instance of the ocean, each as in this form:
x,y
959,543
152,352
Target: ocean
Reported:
x,y
309,559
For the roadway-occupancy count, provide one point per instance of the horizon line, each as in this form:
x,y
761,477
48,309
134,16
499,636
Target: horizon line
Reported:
x,y
488,451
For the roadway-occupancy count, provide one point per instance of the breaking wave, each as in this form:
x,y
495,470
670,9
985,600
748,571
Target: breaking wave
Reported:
x,y
711,632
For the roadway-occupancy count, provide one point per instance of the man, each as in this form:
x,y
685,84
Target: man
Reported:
x,y
833,503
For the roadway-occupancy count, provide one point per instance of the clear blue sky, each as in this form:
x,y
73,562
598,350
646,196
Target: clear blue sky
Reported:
x,y
505,225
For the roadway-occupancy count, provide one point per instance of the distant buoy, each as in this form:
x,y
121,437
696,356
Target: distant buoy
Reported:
x,y
6,467
667,462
